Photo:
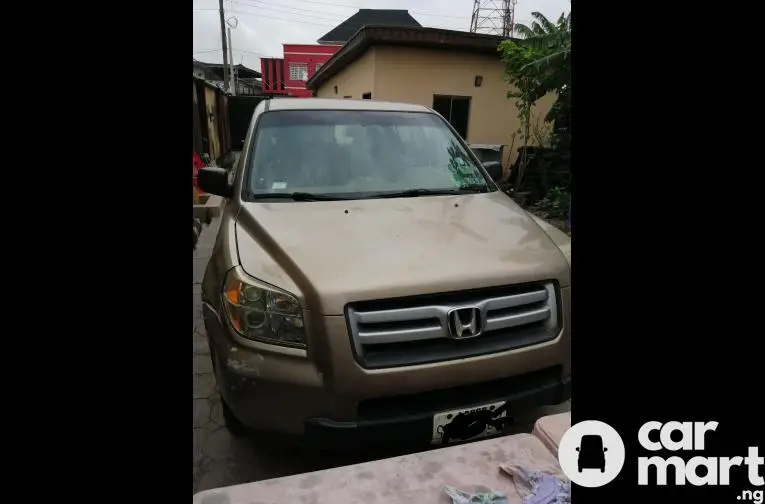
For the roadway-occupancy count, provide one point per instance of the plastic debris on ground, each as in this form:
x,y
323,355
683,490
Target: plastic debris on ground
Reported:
x,y
537,487
460,497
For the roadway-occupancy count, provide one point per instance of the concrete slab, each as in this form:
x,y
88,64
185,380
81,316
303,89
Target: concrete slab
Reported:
x,y
550,429
215,205
417,478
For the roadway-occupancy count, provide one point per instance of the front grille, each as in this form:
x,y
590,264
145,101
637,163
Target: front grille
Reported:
x,y
420,330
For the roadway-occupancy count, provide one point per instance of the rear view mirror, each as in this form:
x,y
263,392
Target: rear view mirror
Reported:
x,y
494,169
214,180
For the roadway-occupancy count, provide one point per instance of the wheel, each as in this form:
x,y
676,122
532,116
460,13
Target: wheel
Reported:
x,y
233,424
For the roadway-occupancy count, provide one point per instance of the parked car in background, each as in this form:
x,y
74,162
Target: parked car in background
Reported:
x,y
370,282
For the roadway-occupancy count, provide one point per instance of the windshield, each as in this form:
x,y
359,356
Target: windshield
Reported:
x,y
357,154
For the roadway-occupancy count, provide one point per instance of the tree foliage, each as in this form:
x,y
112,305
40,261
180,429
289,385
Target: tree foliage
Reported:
x,y
552,44
537,63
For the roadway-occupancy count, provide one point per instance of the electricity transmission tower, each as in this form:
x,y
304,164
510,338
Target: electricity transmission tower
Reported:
x,y
493,17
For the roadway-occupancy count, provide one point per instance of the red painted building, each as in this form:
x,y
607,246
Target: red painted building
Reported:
x,y
272,71
287,76
300,63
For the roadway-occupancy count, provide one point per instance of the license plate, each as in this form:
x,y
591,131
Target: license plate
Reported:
x,y
466,423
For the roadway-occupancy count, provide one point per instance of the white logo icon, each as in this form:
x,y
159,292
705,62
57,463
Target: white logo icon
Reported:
x,y
591,453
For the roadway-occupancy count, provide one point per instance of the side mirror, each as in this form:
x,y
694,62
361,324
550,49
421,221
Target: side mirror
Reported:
x,y
214,180
494,169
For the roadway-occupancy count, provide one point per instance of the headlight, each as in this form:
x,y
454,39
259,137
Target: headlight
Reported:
x,y
259,312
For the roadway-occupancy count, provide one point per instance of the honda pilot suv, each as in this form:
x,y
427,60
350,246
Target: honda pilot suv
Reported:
x,y
370,281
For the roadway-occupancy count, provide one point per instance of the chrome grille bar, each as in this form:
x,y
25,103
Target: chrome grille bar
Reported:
x,y
374,328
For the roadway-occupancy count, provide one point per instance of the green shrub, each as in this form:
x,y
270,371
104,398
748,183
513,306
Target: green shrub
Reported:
x,y
554,205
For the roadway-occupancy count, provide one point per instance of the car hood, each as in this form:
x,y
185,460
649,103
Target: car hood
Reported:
x,y
336,252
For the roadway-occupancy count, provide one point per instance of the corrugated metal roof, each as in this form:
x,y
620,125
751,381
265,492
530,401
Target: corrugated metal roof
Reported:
x,y
241,70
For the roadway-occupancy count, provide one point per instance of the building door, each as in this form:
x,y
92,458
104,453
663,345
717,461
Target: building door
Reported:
x,y
455,109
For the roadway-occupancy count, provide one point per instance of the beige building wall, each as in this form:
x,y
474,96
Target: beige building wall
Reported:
x,y
413,75
353,80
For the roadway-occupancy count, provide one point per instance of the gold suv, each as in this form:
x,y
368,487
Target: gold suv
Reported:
x,y
370,281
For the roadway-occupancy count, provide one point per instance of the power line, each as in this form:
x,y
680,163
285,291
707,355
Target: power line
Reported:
x,y
272,17
347,6
298,12
235,49
283,19
356,7
310,13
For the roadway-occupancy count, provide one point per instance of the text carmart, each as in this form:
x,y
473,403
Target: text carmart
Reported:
x,y
655,436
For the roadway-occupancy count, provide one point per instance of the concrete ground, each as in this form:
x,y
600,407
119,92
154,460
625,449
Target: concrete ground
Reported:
x,y
222,460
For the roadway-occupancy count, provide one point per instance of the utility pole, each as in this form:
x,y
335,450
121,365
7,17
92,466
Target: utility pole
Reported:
x,y
232,74
223,43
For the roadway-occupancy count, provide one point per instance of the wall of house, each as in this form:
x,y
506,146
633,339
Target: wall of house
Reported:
x,y
211,120
212,126
308,54
354,80
414,75
198,132
204,73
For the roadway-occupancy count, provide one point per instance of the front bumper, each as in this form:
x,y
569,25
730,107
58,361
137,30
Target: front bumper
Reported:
x,y
416,427
328,397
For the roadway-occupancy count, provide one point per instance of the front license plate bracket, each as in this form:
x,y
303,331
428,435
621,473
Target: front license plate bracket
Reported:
x,y
469,423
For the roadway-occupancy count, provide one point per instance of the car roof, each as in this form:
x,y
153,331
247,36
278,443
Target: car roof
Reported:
x,y
341,104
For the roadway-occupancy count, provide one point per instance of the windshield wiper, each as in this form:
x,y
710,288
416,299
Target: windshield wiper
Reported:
x,y
471,188
294,196
413,193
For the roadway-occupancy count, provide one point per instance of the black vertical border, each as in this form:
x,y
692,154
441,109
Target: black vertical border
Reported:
x,y
665,316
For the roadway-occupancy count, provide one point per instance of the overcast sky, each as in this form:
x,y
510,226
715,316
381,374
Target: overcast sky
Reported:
x,y
264,25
